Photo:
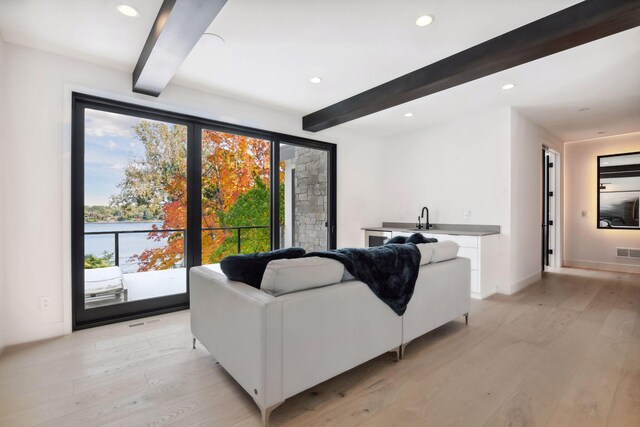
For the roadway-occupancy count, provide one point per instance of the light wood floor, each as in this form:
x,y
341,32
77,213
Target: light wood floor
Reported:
x,y
563,352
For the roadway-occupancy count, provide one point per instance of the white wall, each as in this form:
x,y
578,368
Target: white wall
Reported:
x,y
458,165
585,244
527,139
489,163
3,142
37,242
462,164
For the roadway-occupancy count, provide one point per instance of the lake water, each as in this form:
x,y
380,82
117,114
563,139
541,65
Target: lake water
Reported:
x,y
130,243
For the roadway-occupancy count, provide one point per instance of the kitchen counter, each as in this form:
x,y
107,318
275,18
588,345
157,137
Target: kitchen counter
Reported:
x,y
480,243
452,229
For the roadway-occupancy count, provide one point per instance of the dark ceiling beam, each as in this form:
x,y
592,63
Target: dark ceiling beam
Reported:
x,y
176,30
576,25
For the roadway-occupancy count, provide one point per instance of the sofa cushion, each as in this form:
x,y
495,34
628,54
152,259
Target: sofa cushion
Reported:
x,y
103,280
426,252
396,240
443,251
285,276
250,268
346,276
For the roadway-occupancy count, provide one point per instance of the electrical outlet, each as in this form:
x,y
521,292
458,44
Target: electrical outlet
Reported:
x,y
45,302
585,214
467,214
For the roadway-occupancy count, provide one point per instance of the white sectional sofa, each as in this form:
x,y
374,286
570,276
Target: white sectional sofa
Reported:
x,y
276,347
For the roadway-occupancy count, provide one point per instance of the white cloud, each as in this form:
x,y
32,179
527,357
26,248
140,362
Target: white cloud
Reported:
x,y
102,123
102,158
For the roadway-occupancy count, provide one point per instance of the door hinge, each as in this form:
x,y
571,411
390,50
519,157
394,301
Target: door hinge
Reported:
x,y
550,165
550,194
550,222
550,251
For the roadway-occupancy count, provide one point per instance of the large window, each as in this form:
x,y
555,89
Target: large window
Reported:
x,y
155,193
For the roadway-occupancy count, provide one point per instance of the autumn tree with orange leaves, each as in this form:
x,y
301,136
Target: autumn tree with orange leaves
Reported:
x,y
235,192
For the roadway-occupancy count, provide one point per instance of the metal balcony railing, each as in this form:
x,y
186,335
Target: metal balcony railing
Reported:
x,y
117,234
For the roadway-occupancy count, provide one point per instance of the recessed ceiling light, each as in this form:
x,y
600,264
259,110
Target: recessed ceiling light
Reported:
x,y
315,80
408,114
127,10
508,86
424,20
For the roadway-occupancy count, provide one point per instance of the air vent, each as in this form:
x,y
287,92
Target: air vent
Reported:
x,y
622,252
628,253
133,325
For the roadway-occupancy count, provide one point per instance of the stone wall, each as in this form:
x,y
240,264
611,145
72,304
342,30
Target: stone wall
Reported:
x,y
310,199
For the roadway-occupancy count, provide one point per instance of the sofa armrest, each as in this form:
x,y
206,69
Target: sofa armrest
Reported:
x,y
242,328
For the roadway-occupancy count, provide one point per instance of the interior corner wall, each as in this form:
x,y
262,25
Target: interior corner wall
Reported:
x,y
463,164
525,249
489,163
37,174
3,142
587,246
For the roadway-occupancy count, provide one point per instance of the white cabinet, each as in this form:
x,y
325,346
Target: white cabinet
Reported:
x,y
471,253
483,251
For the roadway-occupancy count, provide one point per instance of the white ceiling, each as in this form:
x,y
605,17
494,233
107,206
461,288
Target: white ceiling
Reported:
x,y
273,47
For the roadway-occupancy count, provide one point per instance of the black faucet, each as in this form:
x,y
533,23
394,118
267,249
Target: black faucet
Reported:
x,y
426,224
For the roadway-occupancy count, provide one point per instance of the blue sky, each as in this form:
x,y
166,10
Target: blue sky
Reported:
x,y
109,144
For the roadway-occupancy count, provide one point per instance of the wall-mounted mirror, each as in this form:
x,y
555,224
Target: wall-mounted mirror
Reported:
x,y
619,191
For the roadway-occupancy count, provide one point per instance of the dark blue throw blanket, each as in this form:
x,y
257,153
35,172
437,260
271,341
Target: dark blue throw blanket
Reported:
x,y
390,271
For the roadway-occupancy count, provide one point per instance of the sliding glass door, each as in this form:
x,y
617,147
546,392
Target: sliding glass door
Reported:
x,y
130,212
304,197
236,194
155,193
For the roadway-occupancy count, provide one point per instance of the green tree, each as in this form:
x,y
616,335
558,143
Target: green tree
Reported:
x,y
98,261
235,178
147,180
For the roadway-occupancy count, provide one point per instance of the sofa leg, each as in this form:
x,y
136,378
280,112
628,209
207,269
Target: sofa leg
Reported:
x,y
403,349
397,351
466,318
194,343
266,413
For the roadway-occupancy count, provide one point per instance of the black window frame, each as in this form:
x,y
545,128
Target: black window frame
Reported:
x,y
84,318
599,172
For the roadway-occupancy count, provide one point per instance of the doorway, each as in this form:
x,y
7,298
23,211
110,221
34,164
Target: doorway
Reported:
x,y
550,208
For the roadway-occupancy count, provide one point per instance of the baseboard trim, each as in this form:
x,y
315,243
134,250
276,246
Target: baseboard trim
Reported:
x,y
34,333
521,284
605,266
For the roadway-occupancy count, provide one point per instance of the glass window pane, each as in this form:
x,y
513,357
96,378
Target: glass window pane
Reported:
x,y
236,195
304,198
135,208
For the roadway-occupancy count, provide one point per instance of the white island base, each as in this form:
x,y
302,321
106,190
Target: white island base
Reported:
x,y
484,253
